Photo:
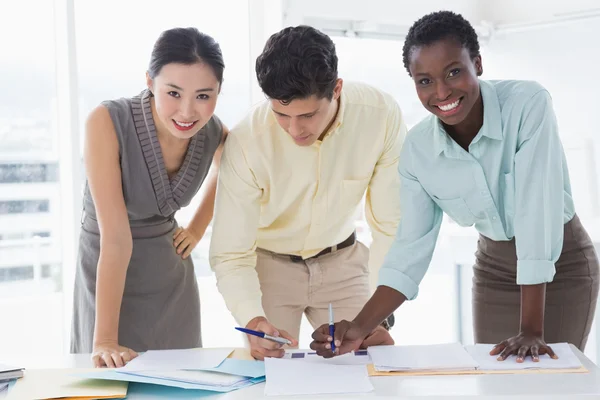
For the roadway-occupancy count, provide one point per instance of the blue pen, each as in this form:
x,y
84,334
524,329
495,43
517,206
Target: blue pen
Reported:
x,y
331,328
263,335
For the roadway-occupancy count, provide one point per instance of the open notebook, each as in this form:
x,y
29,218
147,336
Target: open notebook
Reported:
x,y
453,357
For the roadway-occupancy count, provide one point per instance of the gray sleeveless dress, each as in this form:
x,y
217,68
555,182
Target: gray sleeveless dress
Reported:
x,y
161,303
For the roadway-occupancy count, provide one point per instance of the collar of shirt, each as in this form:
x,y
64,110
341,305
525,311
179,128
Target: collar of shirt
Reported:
x,y
339,118
491,128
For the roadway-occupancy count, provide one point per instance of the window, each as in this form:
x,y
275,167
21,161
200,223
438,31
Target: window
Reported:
x,y
30,267
25,173
24,207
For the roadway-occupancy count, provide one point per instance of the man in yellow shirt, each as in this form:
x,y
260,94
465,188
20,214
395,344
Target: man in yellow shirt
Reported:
x,y
292,175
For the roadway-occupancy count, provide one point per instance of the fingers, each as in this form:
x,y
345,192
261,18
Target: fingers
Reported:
x,y
117,360
108,360
183,244
187,252
535,353
286,335
176,233
508,350
522,353
97,360
321,340
126,356
551,352
321,334
498,348
261,353
340,332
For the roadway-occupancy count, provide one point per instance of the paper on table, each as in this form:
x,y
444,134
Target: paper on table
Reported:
x,y
10,372
437,357
198,377
164,360
113,375
566,359
292,377
61,383
360,357
249,368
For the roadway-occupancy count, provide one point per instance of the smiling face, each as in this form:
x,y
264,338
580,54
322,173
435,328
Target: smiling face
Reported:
x,y
446,79
306,120
185,97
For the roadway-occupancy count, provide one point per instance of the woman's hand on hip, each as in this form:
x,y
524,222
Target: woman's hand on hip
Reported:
x,y
185,240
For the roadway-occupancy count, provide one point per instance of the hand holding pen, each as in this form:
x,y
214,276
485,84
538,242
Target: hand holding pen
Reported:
x,y
266,340
331,328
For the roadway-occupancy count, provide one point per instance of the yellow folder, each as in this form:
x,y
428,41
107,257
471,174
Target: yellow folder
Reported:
x,y
43,384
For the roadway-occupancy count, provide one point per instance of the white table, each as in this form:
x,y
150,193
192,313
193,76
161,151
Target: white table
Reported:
x,y
490,387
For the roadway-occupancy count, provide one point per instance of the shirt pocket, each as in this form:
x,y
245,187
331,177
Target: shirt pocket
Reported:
x,y
457,210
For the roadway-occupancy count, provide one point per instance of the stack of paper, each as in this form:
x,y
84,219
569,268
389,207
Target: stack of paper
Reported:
x,y
454,358
8,372
566,359
205,369
293,377
439,357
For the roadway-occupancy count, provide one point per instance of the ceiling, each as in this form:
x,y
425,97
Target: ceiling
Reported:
x,y
395,16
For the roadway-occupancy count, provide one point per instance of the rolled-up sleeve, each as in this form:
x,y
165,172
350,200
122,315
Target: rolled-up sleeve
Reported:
x,y
233,241
408,259
539,193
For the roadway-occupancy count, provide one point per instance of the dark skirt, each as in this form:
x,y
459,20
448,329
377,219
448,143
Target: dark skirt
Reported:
x,y
570,298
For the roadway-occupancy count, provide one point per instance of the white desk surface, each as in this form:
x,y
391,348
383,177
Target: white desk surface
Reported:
x,y
577,386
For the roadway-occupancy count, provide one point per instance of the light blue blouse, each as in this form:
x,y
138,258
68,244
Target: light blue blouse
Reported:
x,y
513,182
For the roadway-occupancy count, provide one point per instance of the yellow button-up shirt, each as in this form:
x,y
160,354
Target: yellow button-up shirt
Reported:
x,y
276,195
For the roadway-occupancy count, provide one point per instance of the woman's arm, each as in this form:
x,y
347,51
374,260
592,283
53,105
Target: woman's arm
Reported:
x,y
186,239
101,157
539,221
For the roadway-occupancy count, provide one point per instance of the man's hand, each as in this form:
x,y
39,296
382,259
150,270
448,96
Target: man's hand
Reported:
x,y
261,348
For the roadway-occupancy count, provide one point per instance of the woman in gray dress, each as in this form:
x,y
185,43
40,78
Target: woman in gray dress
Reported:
x,y
145,158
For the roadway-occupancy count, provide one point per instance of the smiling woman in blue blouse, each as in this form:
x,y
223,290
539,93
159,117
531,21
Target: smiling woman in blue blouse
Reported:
x,y
488,156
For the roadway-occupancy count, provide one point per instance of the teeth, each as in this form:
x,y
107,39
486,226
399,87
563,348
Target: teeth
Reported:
x,y
450,106
184,125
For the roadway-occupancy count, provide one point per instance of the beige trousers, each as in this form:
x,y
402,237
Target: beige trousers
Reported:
x,y
291,289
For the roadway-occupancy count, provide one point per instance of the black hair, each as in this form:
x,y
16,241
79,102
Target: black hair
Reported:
x,y
437,26
186,46
296,63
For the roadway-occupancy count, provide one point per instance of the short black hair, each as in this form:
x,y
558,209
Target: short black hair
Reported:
x,y
296,63
437,26
186,46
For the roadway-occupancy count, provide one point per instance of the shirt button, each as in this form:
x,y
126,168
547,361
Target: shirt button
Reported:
x,y
483,192
494,218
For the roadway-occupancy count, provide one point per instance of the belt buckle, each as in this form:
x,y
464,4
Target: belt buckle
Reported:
x,y
296,258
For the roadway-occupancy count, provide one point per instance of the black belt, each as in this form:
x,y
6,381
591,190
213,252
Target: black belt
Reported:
x,y
346,243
